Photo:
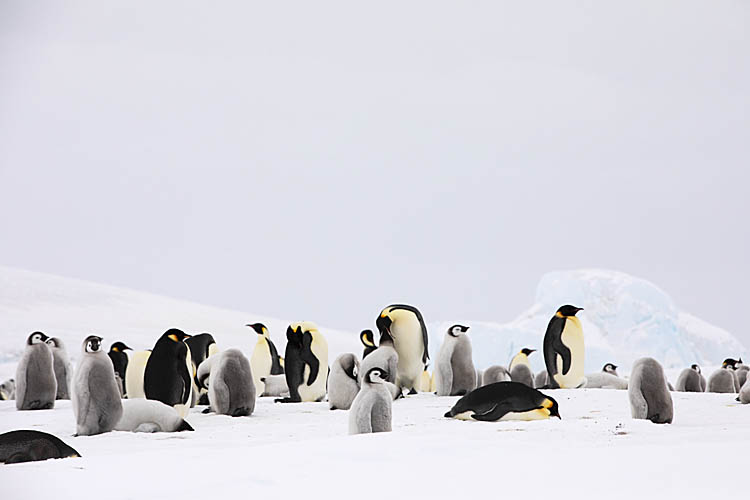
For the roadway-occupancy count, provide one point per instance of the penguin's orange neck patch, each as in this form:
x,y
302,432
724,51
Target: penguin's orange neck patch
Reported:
x,y
173,337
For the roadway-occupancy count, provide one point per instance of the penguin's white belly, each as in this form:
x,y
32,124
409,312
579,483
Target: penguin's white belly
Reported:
x,y
572,337
317,390
134,374
260,364
538,414
409,346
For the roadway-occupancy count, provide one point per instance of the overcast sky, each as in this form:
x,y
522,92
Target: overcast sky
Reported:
x,y
321,161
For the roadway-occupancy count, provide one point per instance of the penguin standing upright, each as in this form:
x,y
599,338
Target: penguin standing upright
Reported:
x,y
564,349
405,325
343,382
120,362
265,358
96,398
520,368
372,409
167,378
134,374
648,392
63,370
201,347
368,341
723,380
36,386
455,373
306,363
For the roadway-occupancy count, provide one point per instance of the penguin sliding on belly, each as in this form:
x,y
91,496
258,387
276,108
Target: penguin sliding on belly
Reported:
x,y
504,401
32,446
564,349
306,363
405,325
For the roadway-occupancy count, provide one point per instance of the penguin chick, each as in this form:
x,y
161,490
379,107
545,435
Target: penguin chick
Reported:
x,y
723,381
605,380
149,415
454,368
8,390
36,386
495,373
691,380
611,369
63,370
96,399
371,410
520,368
31,446
648,392
744,396
541,379
343,382
275,386
231,390
504,401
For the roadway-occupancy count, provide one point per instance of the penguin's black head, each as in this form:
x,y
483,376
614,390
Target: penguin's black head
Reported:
x,y
551,405
93,343
384,324
367,338
527,351
568,310
54,342
294,334
376,375
457,330
610,368
37,338
259,328
119,347
176,335
696,368
730,363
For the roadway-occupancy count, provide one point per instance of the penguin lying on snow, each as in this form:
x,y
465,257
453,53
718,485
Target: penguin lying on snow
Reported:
x,y
691,380
606,379
63,370
8,390
455,373
372,408
36,386
343,382
504,401
31,446
520,368
149,415
648,392
96,398
275,386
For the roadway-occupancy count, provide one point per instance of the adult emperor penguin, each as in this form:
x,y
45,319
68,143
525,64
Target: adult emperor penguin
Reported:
x,y
134,374
495,373
520,368
8,390
36,386
455,373
201,346
564,350
372,408
167,378
63,370
368,341
722,380
120,362
504,401
265,358
149,415
306,363
343,382
691,380
231,390
96,398
405,325
648,392
32,446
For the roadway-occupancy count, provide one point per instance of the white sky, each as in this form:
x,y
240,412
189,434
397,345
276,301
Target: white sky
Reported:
x,y
321,161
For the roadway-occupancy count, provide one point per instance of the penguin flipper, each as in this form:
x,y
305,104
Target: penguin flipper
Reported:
x,y
495,413
554,332
308,357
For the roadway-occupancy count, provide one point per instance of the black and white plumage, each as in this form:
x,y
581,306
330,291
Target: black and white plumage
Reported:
x,y
406,327
32,446
167,377
504,401
564,349
120,362
305,363
36,385
372,409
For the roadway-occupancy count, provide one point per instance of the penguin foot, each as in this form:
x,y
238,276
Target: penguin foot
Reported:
x,y
412,391
207,410
286,400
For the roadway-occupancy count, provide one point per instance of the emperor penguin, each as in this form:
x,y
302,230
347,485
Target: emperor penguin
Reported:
x,y
744,396
741,371
368,341
36,386
384,357
520,368
201,346
275,386
691,380
96,398
265,358
63,370
426,381
564,349
306,363
231,390
722,380
134,372
605,380
32,446
149,415
611,369
405,325
167,378
455,371
120,362
541,379
648,392
8,390
372,410
504,401
495,373
343,382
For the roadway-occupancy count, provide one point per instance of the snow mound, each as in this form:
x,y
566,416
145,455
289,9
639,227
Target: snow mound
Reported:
x,y
624,318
